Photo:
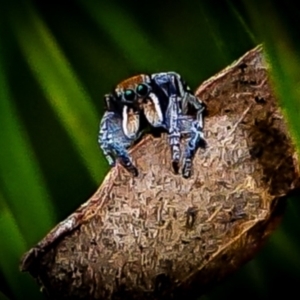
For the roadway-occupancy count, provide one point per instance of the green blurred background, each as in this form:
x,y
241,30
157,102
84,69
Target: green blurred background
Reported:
x,y
58,58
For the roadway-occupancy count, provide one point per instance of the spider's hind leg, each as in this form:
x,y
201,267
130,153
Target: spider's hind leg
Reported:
x,y
195,141
194,126
198,106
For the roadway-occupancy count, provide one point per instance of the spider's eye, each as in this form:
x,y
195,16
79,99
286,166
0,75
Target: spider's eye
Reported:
x,y
129,95
142,90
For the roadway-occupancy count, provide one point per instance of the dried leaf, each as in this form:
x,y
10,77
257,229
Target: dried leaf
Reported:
x,y
160,236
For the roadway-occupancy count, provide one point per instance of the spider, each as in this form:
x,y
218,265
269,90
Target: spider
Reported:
x,y
161,100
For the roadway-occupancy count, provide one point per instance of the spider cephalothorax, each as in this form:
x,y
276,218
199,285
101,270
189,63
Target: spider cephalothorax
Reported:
x,y
165,101
136,95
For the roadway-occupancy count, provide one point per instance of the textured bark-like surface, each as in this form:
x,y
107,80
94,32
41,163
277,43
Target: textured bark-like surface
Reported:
x,y
160,236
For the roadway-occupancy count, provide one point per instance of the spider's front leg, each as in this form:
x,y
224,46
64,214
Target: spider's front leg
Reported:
x,y
174,131
114,143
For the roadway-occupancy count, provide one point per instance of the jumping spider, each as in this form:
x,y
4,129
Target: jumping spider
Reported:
x,y
164,101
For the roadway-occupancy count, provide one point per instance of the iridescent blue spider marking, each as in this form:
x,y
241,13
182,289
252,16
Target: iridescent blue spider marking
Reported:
x,y
166,102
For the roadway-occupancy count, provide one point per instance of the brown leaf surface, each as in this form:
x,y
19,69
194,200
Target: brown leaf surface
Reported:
x,y
160,236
